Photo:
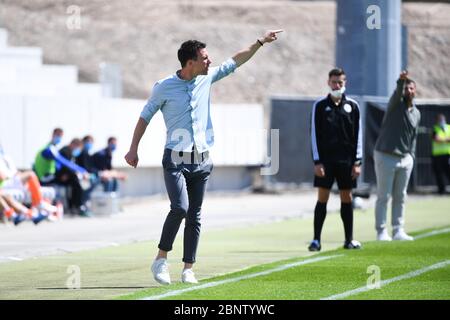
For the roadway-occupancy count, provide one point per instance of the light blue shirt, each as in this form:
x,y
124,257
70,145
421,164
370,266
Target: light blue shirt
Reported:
x,y
186,108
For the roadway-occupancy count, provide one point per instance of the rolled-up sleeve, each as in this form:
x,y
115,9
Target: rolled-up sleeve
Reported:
x,y
154,103
223,70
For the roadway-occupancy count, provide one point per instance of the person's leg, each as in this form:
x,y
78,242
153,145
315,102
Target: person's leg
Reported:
x,y
437,169
345,184
86,194
30,180
176,189
6,211
3,204
324,185
384,170
446,169
17,206
347,213
107,187
20,212
400,186
62,178
114,185
196,187
77,191
320,211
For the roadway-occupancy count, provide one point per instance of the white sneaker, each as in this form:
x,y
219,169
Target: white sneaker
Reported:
x,y
188,276
402,235
383,236
160,270
47,207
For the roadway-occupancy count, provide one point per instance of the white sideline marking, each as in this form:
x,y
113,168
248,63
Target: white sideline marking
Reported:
x,y
432,233
284,267
411,274
245,277
11,258
15,259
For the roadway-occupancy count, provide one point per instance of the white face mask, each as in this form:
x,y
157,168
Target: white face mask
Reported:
x,y
337,93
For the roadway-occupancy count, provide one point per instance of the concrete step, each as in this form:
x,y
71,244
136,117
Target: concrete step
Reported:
x,y
21,56
57,75
86,90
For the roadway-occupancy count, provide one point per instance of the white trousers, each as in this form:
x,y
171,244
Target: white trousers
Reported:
x,y
392,174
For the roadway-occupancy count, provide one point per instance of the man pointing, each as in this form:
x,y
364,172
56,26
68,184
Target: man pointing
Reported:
x,y
184,100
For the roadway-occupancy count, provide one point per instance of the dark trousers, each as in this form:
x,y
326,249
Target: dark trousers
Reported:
x,y
110,185
86,193
441,168
68,178
185,176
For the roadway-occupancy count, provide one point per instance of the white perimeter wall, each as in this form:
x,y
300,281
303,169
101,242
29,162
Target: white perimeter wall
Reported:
x,y
26,123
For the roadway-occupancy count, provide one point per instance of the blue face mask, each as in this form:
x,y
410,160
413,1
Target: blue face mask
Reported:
x,y
88,146
56,140
76,152
112,147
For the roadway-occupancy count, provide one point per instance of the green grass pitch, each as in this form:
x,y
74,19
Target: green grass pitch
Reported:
x,y
122,272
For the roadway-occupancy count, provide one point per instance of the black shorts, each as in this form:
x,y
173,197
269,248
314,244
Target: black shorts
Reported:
x,y
341,172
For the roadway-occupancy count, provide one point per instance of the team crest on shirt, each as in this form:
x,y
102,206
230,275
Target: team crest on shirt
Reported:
x,y
347,108
328,108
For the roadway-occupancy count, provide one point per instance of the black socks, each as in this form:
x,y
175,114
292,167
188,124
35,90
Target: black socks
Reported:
x,y
347,219
320,213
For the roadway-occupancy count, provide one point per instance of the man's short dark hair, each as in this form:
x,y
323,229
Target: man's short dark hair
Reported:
x,y
336,72
87,138
75,142
188,51
408,81
58,131
111,139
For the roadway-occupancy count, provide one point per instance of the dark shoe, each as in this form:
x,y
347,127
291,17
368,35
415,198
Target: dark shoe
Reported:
x,y
84,212
315,246
352,245
39,218
19,219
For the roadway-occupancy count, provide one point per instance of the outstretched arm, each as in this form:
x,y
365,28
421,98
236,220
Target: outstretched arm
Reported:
x,y
397,96
244,55
59,158
399,90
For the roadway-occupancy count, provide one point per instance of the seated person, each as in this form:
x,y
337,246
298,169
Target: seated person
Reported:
x,y
16,212
11,178
102,161
75,176
52,167
85,160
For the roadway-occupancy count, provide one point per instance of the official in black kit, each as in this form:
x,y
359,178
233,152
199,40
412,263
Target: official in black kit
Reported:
x,y
336,141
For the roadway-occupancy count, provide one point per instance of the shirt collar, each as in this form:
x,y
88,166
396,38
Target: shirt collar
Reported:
x,y
176,76
342,102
